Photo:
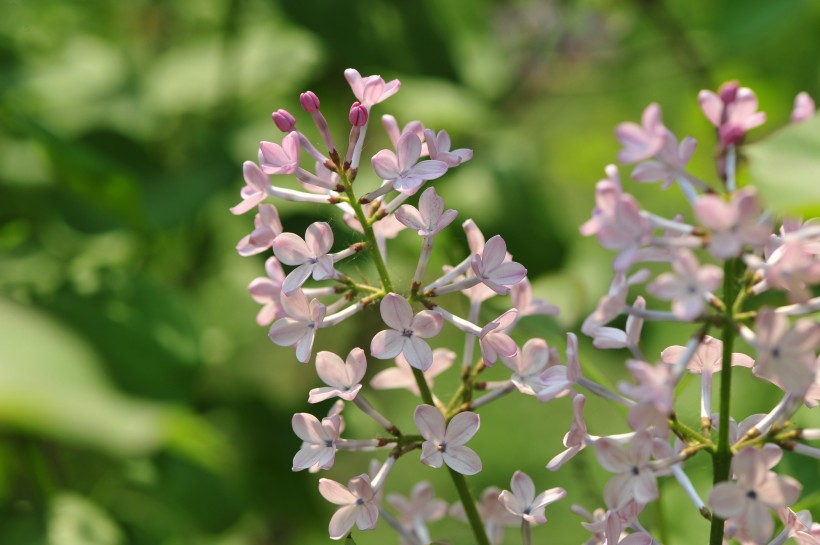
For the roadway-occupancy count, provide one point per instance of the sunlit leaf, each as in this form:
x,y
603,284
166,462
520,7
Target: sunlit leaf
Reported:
x,y
75,520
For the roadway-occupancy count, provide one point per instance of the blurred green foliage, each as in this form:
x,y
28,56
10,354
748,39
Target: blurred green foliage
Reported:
x,y
140,403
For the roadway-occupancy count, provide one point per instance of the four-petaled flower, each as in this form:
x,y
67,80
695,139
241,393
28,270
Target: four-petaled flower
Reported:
x,y
319,440
494,340
733,224
733,110
430,217
255,190
642,141
403,167
342,377
407,332
309,255
444,443
372,89
276,159
786,355
688,287
494,271
438,146
298,327
358,505
522,501
267,227
635,479
416,511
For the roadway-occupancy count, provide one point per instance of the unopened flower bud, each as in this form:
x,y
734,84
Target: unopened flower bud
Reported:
x,y
728,91
285,122
309,101
358,115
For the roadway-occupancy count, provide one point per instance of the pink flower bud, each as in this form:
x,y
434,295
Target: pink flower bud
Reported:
x,y
309,101
358,115
728,91
285,122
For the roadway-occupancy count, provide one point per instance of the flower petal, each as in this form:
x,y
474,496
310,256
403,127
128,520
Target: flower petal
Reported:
x,y
430,423
461,428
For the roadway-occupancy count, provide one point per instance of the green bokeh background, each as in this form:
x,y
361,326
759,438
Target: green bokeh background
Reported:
x,y
139,401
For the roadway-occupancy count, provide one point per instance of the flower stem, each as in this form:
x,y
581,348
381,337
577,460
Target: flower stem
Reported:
x,y
723,456
469,507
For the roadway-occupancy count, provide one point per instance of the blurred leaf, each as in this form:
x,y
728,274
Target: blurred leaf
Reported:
x,y
50,384
75,520
786,168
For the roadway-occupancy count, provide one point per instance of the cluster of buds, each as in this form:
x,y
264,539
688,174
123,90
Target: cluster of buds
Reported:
x,y
729,227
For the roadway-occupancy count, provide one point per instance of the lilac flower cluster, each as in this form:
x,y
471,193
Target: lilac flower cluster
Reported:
x,y
732,251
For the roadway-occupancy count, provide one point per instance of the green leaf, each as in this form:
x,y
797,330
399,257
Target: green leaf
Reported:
x,y
786,169
75,520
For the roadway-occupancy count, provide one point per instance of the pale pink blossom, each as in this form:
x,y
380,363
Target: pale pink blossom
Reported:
x,y
308,255
444,443
527,305
787,355
438,145
732,224
614,533
793,266
406,333
403,167
370,90
606,338
276,159
522,501
635,479
267,227
493,513
733,110
266,291
804,108
298,327
255,190
611,305
558,380
670,162
654,396
575,439
319,440
416,511
756,490
494,340
527,366
688,287
642,141
342,377
475,241
358,505
492,268
430,217
401,376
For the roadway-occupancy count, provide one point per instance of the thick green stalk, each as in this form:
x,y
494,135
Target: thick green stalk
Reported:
x,y
723,457
469,507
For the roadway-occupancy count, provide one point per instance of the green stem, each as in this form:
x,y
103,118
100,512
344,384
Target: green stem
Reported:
x,y
723,457
469,507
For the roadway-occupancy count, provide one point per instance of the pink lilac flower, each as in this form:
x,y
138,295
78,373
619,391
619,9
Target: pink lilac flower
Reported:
x,y
611,305
406,333
606,338
267,228
492,269
635,479
614,535
438,146
688,287
370,90
804,108
308,255
527,305
403,167
733,110
755,491
493,513
793,266
732,225
266,291
654,396
255,190
430,217
557,380
528,365
319,440
787,354
642,141
476,242
670,163
298,327
494,341
576,438
401,376
342,377
358,505
416,511
444,444
522,501
617,222
276,159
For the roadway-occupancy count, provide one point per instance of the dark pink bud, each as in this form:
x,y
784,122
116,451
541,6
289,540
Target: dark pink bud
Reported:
x,y
358,115
284,121
309,101
730,133
728,91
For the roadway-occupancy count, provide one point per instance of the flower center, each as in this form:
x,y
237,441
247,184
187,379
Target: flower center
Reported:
x,y
407,333
751,494
359,501
636,470
442,447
